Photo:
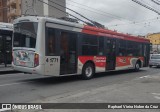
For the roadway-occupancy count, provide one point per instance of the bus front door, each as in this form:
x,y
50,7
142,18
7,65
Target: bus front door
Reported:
x,y
111,54
68,54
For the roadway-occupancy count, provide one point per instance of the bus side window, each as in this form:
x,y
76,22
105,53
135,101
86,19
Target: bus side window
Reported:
x,y
64,46
51,42
122,47
101,46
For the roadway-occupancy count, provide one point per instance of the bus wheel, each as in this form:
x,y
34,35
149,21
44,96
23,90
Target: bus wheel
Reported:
x,y
88,71
150,66
137,67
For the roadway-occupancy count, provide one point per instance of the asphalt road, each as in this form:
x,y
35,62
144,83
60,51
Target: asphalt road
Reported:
x,y
22,88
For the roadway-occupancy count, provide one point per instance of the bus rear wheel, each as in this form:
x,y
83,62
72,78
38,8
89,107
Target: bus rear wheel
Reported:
x,y
88,71
137,67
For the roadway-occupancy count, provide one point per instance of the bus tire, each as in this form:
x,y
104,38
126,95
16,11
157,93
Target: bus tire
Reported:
x,y
150,66
137,67
88,71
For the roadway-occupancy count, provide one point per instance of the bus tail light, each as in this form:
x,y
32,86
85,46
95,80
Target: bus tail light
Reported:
x,y
36,60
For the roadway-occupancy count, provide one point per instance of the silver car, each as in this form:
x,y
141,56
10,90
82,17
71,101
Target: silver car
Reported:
x,y
154,60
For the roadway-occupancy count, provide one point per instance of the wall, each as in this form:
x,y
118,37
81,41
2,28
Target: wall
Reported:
x,y
42,9
3,11
154,38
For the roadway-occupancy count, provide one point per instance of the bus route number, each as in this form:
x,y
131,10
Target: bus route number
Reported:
x,y
52,60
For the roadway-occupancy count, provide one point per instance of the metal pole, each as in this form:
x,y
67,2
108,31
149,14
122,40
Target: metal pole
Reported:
x,y
157,48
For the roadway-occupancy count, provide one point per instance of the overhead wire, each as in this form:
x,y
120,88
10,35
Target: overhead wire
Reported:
x,y
104,12
96,9
61,10
138,22
148,7
156,1
144,1
93,22
96,12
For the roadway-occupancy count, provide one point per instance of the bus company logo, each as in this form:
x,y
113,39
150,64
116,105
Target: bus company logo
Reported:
x,y
122,60
94,58
9,107
6,107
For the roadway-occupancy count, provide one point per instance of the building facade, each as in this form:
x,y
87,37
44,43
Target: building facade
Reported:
x,y
155,41
154,38
15,8
3,11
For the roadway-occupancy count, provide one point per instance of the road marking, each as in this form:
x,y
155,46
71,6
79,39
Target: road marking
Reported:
x,y
157,97
147,76
10,84
156,94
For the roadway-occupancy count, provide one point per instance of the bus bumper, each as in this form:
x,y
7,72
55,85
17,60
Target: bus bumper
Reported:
x,y
37,70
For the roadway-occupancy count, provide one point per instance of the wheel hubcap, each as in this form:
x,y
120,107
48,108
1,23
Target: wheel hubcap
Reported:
x,y
137,66
88,71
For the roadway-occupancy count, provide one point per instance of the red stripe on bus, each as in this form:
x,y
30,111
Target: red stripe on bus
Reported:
x,y
112,34
99,61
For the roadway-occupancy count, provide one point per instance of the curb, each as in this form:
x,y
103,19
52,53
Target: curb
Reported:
x,y
8,72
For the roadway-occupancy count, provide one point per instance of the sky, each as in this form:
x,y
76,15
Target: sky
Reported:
x,y
124,16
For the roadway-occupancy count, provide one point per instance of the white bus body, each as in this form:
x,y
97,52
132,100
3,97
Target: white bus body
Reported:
x,y
21,63
77,48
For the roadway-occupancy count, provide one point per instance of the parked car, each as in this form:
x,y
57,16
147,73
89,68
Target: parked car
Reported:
x,y
154,60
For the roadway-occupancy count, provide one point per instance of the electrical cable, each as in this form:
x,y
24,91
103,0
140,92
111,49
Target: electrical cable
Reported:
x,y
62,11
93,22
152,9
138,22
156,1
106,13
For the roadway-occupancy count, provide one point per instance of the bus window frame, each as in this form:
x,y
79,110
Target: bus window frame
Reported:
x,y
47,42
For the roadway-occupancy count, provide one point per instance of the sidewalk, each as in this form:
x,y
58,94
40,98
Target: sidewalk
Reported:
x,y
4,70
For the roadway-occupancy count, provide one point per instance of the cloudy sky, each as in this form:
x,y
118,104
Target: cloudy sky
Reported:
x,y
122,15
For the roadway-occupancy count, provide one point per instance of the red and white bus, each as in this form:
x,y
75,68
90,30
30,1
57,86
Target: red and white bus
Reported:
x,y
49,46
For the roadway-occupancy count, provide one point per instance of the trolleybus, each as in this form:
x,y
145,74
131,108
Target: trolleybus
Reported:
x,y
6,30
49,46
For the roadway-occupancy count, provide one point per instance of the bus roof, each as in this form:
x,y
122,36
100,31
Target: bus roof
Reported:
x,y
6,26
87,29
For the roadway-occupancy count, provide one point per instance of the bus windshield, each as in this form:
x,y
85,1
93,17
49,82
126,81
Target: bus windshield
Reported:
x,y
155,57
25,34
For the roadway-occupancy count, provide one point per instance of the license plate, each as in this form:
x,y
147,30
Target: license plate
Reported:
x,y
22,63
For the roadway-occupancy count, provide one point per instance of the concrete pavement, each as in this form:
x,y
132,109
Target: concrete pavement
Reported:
x,y
6,70
112,87
143,89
